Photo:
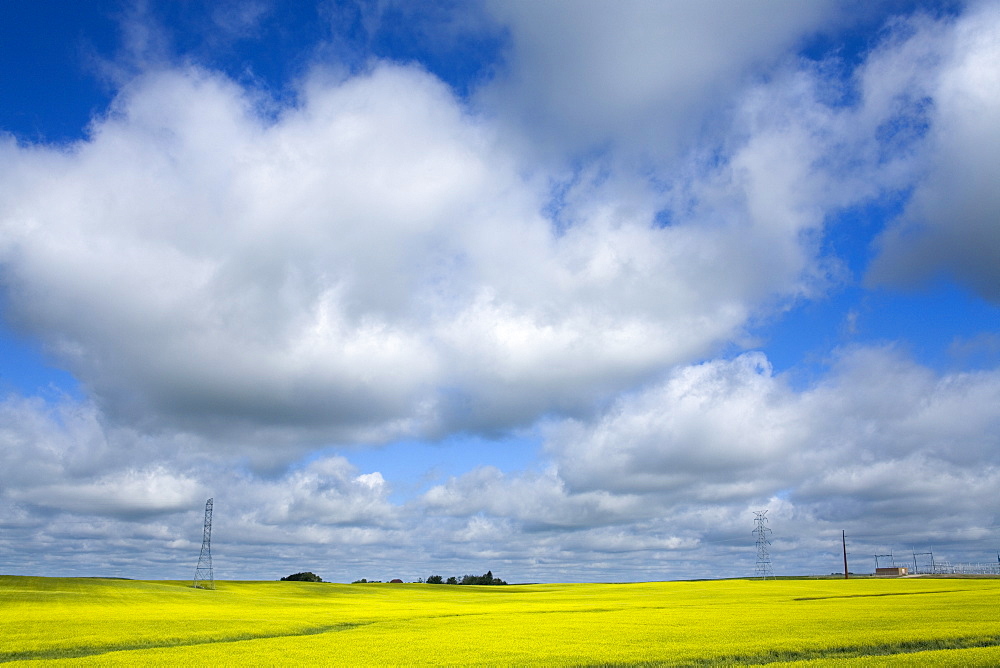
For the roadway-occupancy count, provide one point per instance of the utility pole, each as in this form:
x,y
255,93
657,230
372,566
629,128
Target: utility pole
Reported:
x,y
843,539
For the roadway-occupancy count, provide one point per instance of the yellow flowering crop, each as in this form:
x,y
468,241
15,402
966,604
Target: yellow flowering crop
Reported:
x,y
734,622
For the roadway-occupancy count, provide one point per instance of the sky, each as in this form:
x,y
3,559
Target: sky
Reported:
x,y
562,290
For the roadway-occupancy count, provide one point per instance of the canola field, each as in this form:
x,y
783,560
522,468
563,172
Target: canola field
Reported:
x,y
814,622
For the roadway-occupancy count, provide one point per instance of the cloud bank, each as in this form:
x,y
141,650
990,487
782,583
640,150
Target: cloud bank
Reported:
x,y
247,287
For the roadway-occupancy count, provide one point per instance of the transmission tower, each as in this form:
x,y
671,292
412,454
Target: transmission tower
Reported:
x,y
883,556
931,555
761,531
204,576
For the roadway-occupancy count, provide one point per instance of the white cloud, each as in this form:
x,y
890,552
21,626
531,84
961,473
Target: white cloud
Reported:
x,y
730,429
239,20
534,501
192,259
661,483
882,447
129,493
950,224
235,283
327,492
370,264
711,427
640,74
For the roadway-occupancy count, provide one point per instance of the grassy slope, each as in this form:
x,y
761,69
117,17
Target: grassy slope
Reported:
x,y
738,621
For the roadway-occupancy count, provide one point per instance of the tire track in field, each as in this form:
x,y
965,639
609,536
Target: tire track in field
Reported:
x,y
891,593
835,653
82,652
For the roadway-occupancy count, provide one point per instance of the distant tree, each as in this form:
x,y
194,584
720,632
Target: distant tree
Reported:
x,y
452,580
434,580
302,577
361,581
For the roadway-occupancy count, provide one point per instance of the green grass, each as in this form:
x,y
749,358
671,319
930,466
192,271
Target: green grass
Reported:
x,y
725,622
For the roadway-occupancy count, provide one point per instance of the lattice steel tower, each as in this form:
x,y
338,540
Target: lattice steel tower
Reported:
x,y
763,558
204,576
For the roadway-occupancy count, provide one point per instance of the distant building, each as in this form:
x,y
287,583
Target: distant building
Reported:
x,y
891,571
398,581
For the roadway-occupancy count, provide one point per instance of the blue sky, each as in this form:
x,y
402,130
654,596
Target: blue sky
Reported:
x,y
562,290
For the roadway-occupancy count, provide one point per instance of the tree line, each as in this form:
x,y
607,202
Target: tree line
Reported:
x,y
485,579
307,576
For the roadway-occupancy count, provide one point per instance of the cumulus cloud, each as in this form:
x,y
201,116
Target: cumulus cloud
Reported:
x,y
235,281
639,74
726,429
535,501
130,493
688,458
373,262
326,492
370,264
67,476
660,483
950,224
708,430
